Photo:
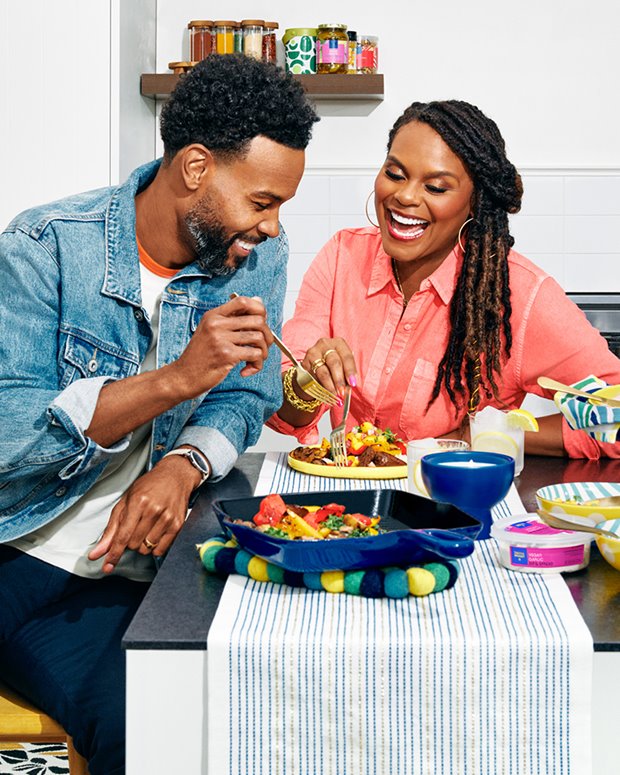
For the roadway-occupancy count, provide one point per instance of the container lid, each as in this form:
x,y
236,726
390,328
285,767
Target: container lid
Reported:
x,y
369,38
199,23
225,23
333,26
352,34
252,22
272,25
529,530
296,32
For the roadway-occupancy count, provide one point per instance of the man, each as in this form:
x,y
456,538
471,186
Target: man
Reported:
x,y
129,378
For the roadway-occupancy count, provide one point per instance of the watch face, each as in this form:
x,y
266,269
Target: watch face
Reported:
x,y
198,461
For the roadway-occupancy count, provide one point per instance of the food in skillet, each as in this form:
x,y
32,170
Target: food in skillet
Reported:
x,y
286,520
367,445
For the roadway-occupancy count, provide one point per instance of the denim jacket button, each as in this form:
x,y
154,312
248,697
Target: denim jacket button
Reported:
x,y
60,492
138,314
93,365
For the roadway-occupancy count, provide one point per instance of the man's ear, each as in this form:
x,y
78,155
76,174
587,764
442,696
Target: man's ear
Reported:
x,y
196,164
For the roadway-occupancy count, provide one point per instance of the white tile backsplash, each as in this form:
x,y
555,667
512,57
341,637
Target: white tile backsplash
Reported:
x,y
537,233
542,195
592,195
349,194
598,272
306,233
592,233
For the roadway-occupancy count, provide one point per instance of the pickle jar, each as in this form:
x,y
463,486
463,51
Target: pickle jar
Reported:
x,y
224,36
253,37
269,41
200,39
332,48
368,54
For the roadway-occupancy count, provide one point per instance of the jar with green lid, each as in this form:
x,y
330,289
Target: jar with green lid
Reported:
x,y
300,50
332,48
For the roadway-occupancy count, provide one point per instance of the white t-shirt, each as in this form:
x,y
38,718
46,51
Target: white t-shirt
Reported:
x,y
66,541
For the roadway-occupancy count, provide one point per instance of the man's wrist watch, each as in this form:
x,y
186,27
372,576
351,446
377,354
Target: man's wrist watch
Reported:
x,y
197,459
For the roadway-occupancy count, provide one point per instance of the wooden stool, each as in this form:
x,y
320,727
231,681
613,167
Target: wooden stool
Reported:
x,y
22,722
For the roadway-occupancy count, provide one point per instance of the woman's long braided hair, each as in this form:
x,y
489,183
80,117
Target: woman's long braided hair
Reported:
x,y
480,309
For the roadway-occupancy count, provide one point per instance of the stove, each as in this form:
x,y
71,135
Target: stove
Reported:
x,y
603,311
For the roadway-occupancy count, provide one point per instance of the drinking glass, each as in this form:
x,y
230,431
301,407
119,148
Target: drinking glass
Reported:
x,y
490,432
420,447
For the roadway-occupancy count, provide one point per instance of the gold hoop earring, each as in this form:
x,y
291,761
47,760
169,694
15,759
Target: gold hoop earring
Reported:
x,y
372,223
458,239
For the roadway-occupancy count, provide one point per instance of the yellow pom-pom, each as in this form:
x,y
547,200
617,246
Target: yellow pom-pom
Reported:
x,y
333,580
257,569
202,548
421,582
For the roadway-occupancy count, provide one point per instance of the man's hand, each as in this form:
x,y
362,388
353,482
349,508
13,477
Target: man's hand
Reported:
x,y
227,335
152,511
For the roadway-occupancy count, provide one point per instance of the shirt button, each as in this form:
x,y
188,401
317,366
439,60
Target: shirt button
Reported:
x,y
60,492
93,365
407,326
388,370
138,314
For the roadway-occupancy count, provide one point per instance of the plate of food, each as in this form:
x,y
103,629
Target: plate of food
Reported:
x,y
372,453
581,500
347,530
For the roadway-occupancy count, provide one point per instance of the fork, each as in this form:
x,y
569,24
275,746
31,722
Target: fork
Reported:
x,y
552,384
336,438
305,380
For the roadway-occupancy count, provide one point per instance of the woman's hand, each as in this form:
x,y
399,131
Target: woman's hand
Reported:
x,y
332,363
150,514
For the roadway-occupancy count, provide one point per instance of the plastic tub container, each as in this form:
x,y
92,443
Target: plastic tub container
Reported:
x,y
526,544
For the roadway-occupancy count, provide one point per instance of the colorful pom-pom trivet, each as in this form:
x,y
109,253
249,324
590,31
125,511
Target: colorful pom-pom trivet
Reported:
x,y
223,556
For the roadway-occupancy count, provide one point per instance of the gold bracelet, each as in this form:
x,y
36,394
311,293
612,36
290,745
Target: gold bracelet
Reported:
x,y
292,397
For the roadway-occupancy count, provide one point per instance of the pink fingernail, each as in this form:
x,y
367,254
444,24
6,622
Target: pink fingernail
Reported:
x,y
352,381
339,401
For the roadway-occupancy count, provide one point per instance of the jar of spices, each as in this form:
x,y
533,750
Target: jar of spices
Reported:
x,y
200,39
300,50
368,54
225,36
352,52
238,38
253,37
269,41
332,48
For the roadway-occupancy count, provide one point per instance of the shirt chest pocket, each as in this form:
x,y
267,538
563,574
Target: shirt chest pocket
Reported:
x,y
83,357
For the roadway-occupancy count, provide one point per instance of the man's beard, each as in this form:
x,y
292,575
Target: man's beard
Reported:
x,y
209,240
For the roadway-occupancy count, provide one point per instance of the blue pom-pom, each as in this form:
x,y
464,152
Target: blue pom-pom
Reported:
x,y
453,569
372,584
396,583
225,560
294,579
242,561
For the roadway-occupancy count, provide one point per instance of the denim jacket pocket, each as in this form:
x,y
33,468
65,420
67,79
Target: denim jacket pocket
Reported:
x,y
86,356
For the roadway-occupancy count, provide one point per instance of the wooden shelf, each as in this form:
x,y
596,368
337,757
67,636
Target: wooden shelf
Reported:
x,y
320,87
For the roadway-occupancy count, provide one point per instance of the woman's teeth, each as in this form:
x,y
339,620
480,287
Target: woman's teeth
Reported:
x,y
414,226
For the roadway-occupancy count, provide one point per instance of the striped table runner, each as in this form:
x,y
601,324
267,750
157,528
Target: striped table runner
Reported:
x,y
492,677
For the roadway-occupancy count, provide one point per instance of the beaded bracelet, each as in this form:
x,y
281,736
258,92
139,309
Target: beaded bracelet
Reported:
x,y
292,397
222,556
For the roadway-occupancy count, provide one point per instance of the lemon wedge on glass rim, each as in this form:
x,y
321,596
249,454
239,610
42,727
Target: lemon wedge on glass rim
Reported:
x,y
495,441
521,418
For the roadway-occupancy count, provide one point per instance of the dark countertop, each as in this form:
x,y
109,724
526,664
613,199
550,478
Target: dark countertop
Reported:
x,y
180,605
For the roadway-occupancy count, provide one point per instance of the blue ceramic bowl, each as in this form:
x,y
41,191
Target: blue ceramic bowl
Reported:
x,y
419,531
474,481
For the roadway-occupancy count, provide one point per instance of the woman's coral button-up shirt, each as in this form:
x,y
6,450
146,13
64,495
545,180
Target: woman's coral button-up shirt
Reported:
x,y
349,291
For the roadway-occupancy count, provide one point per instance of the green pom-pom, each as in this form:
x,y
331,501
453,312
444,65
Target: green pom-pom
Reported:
x,y
276,574
441,574
208,556
396,583
353,581
242,560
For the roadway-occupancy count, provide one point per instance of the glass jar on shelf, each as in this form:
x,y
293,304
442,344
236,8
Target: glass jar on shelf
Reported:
x,y
300,47
332,48
352,52
200,39
368,54
224,36
269,41
253,37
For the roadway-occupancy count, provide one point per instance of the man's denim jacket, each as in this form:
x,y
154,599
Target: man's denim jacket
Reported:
x,y
71,321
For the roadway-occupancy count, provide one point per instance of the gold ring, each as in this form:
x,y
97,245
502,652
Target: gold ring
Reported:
x,y
327,352
317,364
149,544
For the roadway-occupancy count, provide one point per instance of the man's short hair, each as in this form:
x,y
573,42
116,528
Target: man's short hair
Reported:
x,y
227,100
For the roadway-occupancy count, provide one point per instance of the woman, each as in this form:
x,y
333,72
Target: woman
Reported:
x,y
431,315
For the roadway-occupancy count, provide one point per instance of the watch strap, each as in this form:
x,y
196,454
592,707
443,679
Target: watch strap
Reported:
x,y
197,459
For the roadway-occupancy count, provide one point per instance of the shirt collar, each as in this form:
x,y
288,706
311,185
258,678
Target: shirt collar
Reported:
x,y
443,279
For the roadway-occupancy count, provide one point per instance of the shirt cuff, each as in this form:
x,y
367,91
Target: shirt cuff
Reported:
x,y
578,444
305,434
